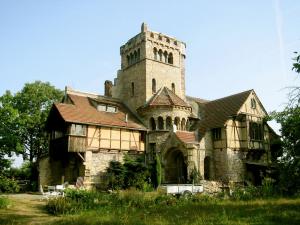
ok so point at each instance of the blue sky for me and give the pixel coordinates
(232, 46)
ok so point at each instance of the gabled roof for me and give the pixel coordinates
(186, 136)
(166, 97)
(217, 112)
(80, 109)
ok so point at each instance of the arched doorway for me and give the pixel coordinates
(175, 167)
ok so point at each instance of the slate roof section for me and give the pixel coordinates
(166, 97)
(186, 136)
(82, 111)
(217, 112)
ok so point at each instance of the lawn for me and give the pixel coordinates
(30, 210)
(276, 211)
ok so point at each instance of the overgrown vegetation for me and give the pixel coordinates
(8, 185)
(4, 202)
(133, 173)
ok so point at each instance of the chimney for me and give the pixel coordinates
(108, 88)
(126, 118)
(144, 28)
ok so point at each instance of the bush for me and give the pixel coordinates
(4, 202)
(8, 185)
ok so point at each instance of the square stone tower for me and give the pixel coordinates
(149, 61)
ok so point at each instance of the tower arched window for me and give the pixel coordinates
(131, 58)
(135, 56)
(155, 53)
(170, 58)
(128, 60)
(153, 86)
(160, 54)
(160, 123)
(132, 89)
(173, 87)
(138, 54)
(169, 123)
(165, 57)
(152, 124)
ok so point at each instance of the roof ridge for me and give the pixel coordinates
(229, 96)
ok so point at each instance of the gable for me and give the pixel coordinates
(248, 108)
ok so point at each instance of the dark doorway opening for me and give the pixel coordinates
(175, 167)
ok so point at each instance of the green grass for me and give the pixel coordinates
(267, 212)
(4, 202)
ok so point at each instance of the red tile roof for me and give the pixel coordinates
(84, 112)
(166, 97)
(186, 136)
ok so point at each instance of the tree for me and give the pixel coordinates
(289, 161)
(23, 117)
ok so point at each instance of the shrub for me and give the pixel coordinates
(4, 202)
(8, 185)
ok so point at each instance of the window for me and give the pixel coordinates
(173, 87)
(255, 130)
(170, 58)
(153, 86)
(168, 40)
(152, 124)
(177, 123)
(159, 37)
(128, 60)
(132, 89)
(106, 108)
(155, 53)
(160, 54)
(152, 151)
(152, 35)
(138, 54)
(111, 108)
(216, 133)
(253, 103)
(165, 57)
(183, 124)
(135, 56)
(169, 123)
(78, 129)
(56, 134)
(160, 123)
(101, 108)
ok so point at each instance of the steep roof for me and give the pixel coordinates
(82, 109)
(217, 112)
(186, 136)
(166, 97)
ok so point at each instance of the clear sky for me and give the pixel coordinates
(232, 45)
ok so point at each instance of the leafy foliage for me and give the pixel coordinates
(4, 202)
(8, 185)
(133, 173)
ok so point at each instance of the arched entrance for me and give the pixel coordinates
(175, 167)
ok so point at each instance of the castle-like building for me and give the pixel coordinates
(146, 111)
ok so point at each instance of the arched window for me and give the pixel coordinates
(132, 89)
(160, 54)
(206, 168)
(183, 124)
(160, 123)
(153, 86)
(155, 53)
(168, 40)
(159, 37)
(173, 87)
(131, 58)
(165, 57)
(152, 124)
(169, 123)
(152, 35)
(177, 123)
(138, 54)
(170, 58)
(128, 60)
(135, 56)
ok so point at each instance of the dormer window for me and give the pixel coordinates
(106, 108)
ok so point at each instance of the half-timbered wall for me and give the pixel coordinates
(114, 138)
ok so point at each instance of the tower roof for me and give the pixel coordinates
(166, 97)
